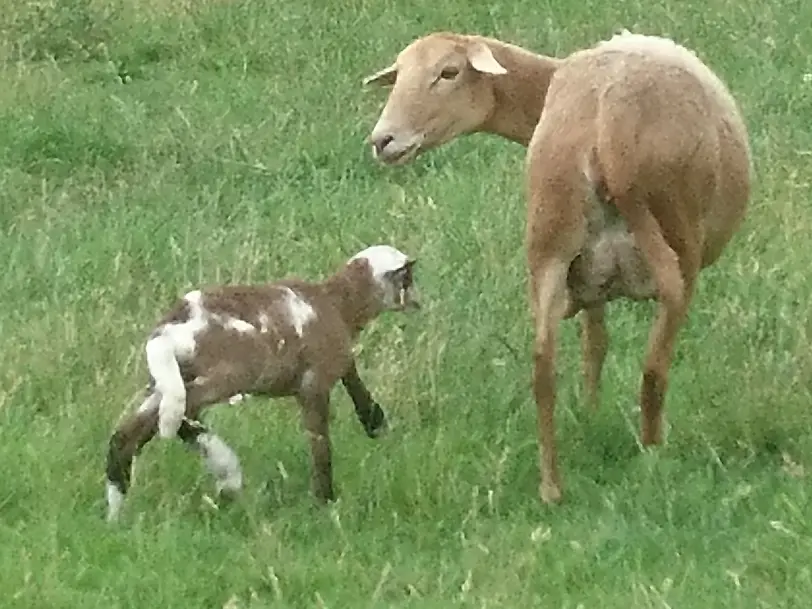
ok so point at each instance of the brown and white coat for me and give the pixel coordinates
(288, 338)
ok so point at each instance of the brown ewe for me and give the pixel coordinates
(638, 174)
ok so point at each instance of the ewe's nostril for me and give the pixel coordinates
(382, 142)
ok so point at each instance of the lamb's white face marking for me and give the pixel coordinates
(301, 313)
(384, 262)
(221, 461)
(115, 499)
(382, 259)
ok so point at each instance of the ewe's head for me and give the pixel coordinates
(391, 274)
(441, 88)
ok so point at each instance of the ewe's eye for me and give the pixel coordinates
(449, 73)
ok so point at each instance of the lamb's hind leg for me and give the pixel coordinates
(126, 442)
(218, 456)
(368, 411)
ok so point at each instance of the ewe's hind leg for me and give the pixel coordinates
(126, 442)
(674, 277)
(369, 412)
(672, 309)
(594, 344)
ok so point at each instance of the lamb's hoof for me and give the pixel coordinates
(377, 424)
(230, 486)
(115, 499)
(550, 493)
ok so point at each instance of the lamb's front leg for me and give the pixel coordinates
(369, 412)
(315, 418)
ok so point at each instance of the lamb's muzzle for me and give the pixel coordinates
(288, 338)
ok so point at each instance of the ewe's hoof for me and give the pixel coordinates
(550, 493)
(377, 424)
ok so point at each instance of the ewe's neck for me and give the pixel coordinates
(520, 93)
(352, 293)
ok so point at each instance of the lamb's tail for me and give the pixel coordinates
(164, 368)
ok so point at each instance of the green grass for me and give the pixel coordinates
(147, 146)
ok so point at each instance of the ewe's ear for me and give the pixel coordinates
(384, 78)
(482, 59)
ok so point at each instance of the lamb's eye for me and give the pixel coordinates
(449, 73)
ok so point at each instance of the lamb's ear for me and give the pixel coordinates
(482, 59)
(396, 273)
(384, 78)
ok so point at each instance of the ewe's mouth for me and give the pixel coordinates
(401, 157)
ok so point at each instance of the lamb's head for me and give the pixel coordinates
(390, 274)
(441, 88)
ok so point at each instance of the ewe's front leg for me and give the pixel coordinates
(315, 413)
(369, 412)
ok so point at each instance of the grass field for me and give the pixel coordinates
(148, 146)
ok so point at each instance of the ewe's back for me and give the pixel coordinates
(647, 117)
(669, 53)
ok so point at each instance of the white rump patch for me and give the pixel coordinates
(301, 313)
(382, 259)
(221, 461)
(172, 343)
(115, 499)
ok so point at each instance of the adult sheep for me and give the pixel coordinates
(637, 173)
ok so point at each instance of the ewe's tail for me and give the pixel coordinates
(164, 369)
(595, 176)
